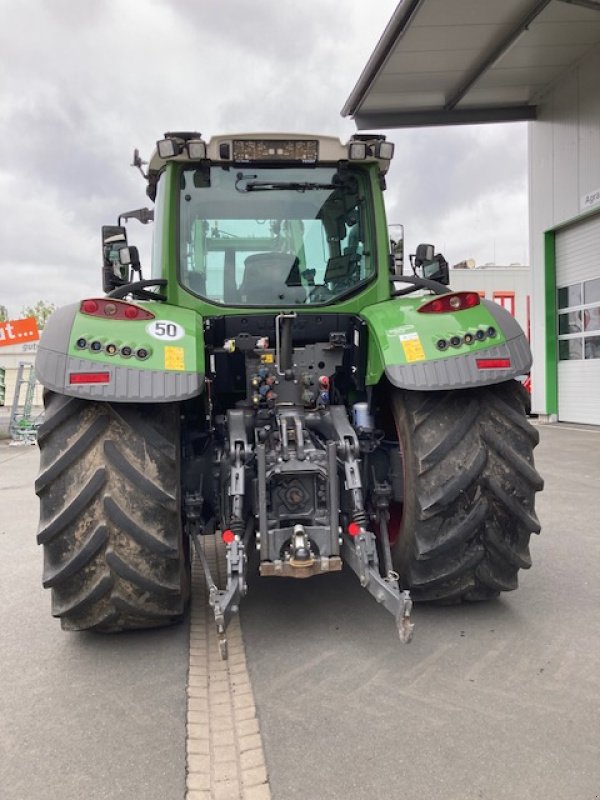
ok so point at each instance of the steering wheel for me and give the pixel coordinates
(320, 294)
(419, 283)
(137, 290)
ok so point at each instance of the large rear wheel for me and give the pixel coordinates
(110, 524)
(462, 531)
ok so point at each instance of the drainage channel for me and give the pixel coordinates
(225, 756)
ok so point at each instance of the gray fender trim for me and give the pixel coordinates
(127, 384)
(461, 371)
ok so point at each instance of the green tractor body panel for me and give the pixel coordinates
(477, 346)
(159, 358)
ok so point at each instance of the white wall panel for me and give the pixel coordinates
(578, 391)
(564, 153)
(589, 125)
(565, 126)
(578, 259)
(578, 252)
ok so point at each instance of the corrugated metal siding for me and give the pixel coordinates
(578, 252)
(578, 391)
(578, 259)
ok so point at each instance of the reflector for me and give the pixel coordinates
(493, 363)
(89, 377)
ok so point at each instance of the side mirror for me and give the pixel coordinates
(437, 269)
(424, 254)
(129, 256)
(396, 233)
(114, 239)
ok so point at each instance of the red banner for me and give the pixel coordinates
(18, 331)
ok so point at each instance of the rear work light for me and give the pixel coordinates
(449, 303)
(493, 363)
(113, 309)
(89, 377)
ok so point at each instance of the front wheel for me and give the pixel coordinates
(462, 531)
(114, 553)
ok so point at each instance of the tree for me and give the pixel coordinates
(41, 311)
(3, 313)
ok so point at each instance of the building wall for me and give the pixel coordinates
(491, 280)
(564, 168)
(10, 356)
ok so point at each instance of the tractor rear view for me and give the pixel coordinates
(279, 381)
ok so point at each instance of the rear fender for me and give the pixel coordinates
(172, 369)
(403, 345)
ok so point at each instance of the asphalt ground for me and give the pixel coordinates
(81, 715)
(491, 701)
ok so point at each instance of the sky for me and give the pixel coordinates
(84, 82)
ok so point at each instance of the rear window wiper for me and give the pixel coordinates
(250, 185)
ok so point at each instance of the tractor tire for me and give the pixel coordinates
(462, 532)
(110, 515)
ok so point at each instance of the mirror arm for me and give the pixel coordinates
(137, 289)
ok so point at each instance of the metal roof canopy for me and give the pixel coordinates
(452, 62)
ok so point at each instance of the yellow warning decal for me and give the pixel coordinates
(267, 358)
(174, 358)
(413, 349)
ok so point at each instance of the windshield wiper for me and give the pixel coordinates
(269, 186)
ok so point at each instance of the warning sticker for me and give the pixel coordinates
(267, 358)
(174, 358)
(413, 349)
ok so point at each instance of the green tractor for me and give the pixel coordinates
(278, 380)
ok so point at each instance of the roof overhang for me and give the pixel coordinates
(454, 62)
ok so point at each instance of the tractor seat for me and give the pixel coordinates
(271, 279)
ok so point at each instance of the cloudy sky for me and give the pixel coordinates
(83, 82)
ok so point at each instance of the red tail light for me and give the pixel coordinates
(449, 303)
(493, 363)
(228, 536)
(354, 529)
(89, 377)
(113, 309)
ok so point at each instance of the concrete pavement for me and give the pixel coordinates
(81, 715)
(489, 702)
(494, 701)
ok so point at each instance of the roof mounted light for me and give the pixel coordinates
(384, 150)
(169, 148)
(196, 149)
(357, 151)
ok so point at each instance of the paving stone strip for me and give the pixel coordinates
(225, 757)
